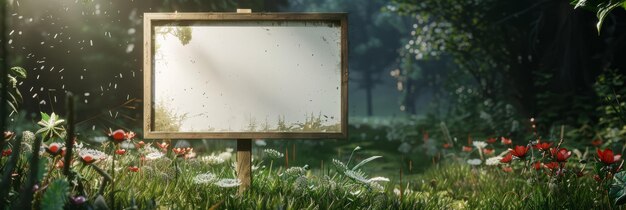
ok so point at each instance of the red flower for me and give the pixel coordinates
(139, 144)
(597, 178)
(130, 135)
(87, 159)
(520, 151)
(491, 140)
(133, 168)
(118, 135)
(163, 146)
(488, 151)
(607, 156)
(54, 149)
(60, 164)
(120, 151)
(467, 149)
(543, 146)
(179, 151)
(507, 158)
(506, 141)
(507, 169)
(7, 152)
(561, 155)
(596, 142)
(551, 165)
(447, 145)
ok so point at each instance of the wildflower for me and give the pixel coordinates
(163, 146)
(551, 165)
(491, 140)
(179, 151)
(133, 168)
(89, 156)
(227, 183)
(54, 148)
(120, 151)
(597, 178)
(507, 169)
(8, 135)
(493, 161)
(118, 135)
(479, 144)
(507, 158)
(357, 176)
(520, 151)
(474, 162)
(467, 149)
(139, 144)
(596, 142)
(544, 146)
(340, 165)
(561, 155)
(154, 155)
(447, 145)
(487, 151)
(130, 135)
(294, 171)
(204, 178)
(212, 160)
(506, 141)
(607, 157)
(7, 152)
(273, 154)
(537, 165)
(60, 164)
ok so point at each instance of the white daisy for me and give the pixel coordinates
(227, 183)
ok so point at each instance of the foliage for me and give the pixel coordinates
(15, 96)
(56, 195)
(601, 7)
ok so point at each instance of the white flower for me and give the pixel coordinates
(474, 162)
(379, 179)
(225, 155)
(273, 154)
(260, 143)
(492, 161)
(95, 154)
(212, 160)
(227, 183)
(154, 155)
(204, 178)
(479, 144)
(294, 171)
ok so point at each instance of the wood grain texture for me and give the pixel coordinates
(244, 164)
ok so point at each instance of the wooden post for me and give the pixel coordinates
(244, 164)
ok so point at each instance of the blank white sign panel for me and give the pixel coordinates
(247, 76)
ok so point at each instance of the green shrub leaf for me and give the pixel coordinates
(56, 195)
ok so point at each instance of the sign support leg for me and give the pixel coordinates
(244, 164)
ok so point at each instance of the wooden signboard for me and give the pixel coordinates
(243, 76)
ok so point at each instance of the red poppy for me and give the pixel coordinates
(491, 140)
(506, 141)
(139, 144)
(54, 149)
(507, 169)
(551, 165)
(596, 142)
(561, 155)
(7, 152)
(544, 146)
(118, 135)
(467, 149)
(537, 165)
(607, 156)
(447, 145)
(133, 168)
(488, 151)
(120, 151)
(87, 159)
(507, 158)
(520, 151)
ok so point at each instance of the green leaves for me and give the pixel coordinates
(18, 72)
(56, 195)
(601, 7)
(617, 192)
(51, 126)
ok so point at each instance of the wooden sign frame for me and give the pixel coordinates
(153, 19)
